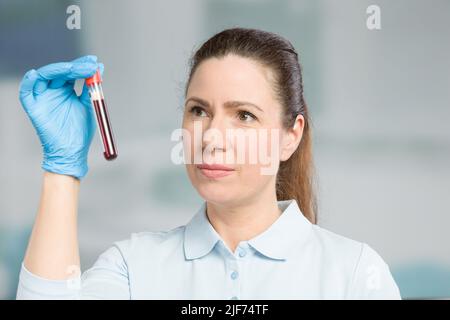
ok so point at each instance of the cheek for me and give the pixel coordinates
(261, 150)
(261, 161)
(251, 181)
(191, 173)
(191, 141)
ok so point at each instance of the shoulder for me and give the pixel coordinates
(143, 243)
(368, 275)
(345, 249)
(338, 252)
(329, 241)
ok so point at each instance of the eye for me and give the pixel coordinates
(197, 111)
(246, 116)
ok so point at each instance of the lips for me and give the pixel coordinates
(214, 171)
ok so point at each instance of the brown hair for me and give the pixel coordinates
(295, 175)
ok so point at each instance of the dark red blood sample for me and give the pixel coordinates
(104, 125)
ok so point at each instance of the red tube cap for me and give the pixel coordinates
(96, 78)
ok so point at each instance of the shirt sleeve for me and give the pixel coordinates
(107, 279)
(372, 278)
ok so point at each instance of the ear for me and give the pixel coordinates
(291, 138)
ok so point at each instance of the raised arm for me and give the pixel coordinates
(65, 124)
(52, 251)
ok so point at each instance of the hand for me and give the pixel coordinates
(64, 122)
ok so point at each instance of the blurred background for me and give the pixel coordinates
(380, 104)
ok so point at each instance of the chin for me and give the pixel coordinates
(215, 193)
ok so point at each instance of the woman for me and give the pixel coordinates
(254, 236)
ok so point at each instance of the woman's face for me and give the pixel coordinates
(232, 118)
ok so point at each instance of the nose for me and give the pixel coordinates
(214, 135)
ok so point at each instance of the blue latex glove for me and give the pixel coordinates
(64, 122)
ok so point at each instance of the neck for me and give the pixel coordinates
(239, 222)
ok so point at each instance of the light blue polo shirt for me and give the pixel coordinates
(292, 259)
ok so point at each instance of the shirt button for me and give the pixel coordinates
(234, 298)
(242, 253)
(234, 275)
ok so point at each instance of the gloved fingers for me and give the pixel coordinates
(57, 83)
(59, 71)
(88, 58)
(54, 70)
(40, 86)
(67, 70)
(82, 70)
(26, 87)
(33, 77)
(51, 71)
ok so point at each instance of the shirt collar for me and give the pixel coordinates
(283, 235)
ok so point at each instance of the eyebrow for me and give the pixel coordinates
(228, 104)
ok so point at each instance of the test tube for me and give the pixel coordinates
(103, 122)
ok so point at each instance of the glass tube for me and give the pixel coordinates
(103, 120)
